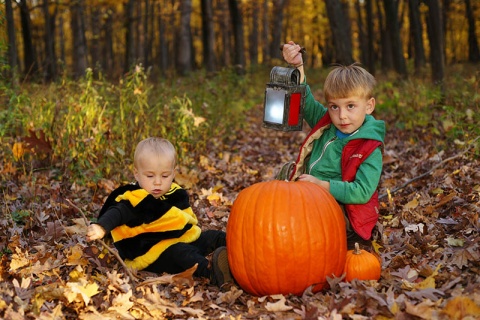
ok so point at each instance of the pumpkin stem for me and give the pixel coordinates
(285, 171)
(357, 249)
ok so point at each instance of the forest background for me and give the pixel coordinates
(83, 81)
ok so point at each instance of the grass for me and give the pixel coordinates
(87, 129)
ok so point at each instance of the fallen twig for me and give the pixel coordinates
(429, 171)
(114, 252)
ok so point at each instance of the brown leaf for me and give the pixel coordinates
(39, 145)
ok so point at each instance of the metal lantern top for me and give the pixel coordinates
(285, 76)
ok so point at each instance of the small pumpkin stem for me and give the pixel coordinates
(357, 249)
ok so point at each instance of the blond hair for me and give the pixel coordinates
(345, 81)
(158, 146)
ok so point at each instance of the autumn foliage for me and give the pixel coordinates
(55, 169)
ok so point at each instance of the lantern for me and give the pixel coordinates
(284, 100)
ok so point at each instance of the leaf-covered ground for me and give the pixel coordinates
(428, 237)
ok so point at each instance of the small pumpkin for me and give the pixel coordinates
(283, 237)
(362, 265)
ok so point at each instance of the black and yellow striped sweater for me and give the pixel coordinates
(142, 227)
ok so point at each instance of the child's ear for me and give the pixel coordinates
(370, 105)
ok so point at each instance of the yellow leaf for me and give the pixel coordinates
(78, 292)
(461, 307)
(75, 258)
(394, 308)
(18, 150)
(455, 242)
(19, 260)
(213, 197)
(429, 282)
(376, 246)
(412, 204)
(198, 120)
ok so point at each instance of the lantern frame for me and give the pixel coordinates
(284, 91)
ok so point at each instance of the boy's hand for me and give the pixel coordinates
(310, 178)
(94, 232)
(292, 53)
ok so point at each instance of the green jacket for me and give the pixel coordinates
(324, 160)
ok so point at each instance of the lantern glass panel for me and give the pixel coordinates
(274, 105)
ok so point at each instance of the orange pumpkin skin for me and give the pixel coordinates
(362, 265)
(283, 237)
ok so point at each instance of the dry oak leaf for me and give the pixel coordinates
(279, 305)
(463, 256)
(230, 296)
(121, 303)
(184, 278)
(422, 310)
(79, 227)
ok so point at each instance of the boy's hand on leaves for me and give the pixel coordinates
(94, 232)
(292, 53)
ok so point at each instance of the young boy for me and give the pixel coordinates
(342, 153)
(152, 224)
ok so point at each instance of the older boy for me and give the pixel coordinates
(342, 153)
(152, 224)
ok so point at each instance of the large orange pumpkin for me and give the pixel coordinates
(283, 237)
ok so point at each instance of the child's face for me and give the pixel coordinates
(348, 114)
(155, 173)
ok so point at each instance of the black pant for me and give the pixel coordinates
(182, 256)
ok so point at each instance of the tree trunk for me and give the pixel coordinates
(371, 38)
(12, 43)
(94, 48)
(140, 34)
(416, 32)
(225, 58)
(208, 36)
(108, 61)
(254, 43)
(434, 24)
(50, 67)
(78, 37)
(129, 36)
(184, 44)
(393, 31)
(237, 25)
(29, 54)
(265, 32)
(162, 43)
(444, 15)
(361, 33)
(385, 41)
(278, 9)
(341, 37)
(149, 13)
(473, 51)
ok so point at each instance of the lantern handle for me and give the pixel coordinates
(286, 76)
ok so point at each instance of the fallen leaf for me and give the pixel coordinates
(461, 307)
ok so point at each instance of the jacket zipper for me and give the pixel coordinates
(321, 155)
